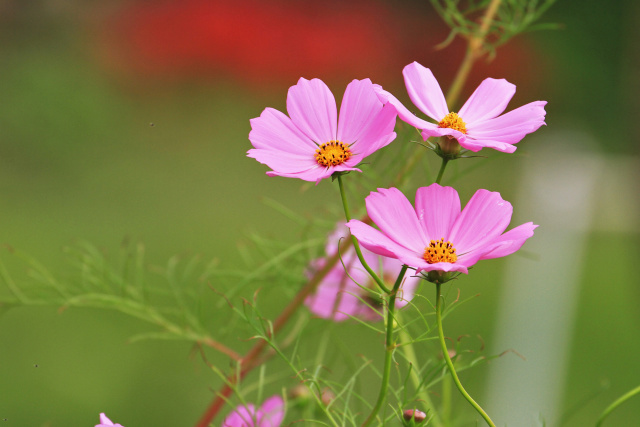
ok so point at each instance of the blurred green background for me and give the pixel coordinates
(129, 120)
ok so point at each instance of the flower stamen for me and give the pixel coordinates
(440, 251)
(332, 153)
(453, 121)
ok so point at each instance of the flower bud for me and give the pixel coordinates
(327, 396)
(300, 396)
(413, 417)
(299, 392)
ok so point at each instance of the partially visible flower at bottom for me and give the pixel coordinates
(270, 414)
(106, 422)
(340, 295)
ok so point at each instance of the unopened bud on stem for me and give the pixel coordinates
(413, 417)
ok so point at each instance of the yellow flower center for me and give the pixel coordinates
(453, 121)
(332, 153)
(440, 251)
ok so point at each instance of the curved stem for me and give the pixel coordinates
(442, 168)
(389, 346)
(356, 245)
(445, 354)
(617, 403)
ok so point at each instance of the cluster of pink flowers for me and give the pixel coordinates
(312, 144)
(435, 237)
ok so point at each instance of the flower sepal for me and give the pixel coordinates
(437, 276)
(335, 175)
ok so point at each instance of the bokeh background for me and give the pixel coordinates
(129, 120)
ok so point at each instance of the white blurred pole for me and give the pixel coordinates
(538, 299)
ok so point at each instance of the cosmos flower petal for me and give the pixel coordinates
(437, 208)
(360, 107)
(512, 126)
(104, 419)
(470, 258)
(424, 91)
(106, 422)
(378, 134)
(395, 217)
(242, 416)
(488, 101)
(312, 108)
(438, 131)
(316, 174)
(510, 242)
(376, 242)
(338, 297)
(476, 145)
(334, 299)
(483, 219)
(271, 413)
(444, 266)
(284, 162)
(275, 131)
(404, 114)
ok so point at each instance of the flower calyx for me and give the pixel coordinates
(448, 148)
(335, 175)
(437, 276)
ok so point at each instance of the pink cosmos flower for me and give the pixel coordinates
(437, 235)
(313, 143)
(339, 297)
(478, 124)
(106, 422)
(270, 414)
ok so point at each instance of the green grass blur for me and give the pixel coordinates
(88, 155)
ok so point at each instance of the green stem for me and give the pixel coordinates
(389, 347)
(617, 403)
(442, 168)
(356, 245)
(446, 400)
(410, 355)
(445, 354)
